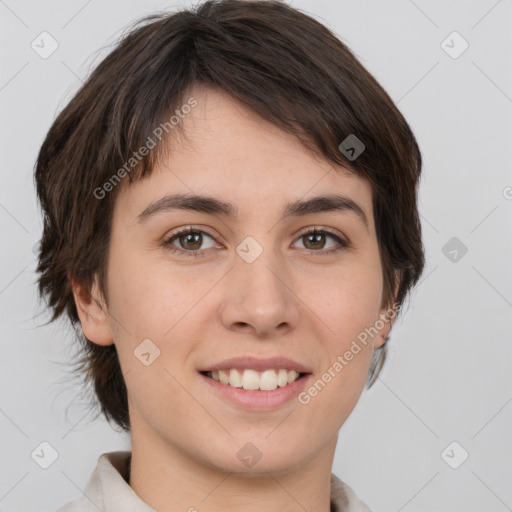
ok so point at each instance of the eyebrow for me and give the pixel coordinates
(214, 206)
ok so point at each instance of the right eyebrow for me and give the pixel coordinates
(216, 206)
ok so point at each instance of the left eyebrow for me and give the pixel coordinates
(215, 206)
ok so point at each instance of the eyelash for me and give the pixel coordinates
(201, 253)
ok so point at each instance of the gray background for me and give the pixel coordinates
(448, 376)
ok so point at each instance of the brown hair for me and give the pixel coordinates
(285, 66)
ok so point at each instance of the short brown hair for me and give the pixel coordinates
(284, 65)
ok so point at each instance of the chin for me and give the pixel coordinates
(259, 455)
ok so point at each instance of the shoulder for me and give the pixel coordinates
(106, 485)
(344, 499)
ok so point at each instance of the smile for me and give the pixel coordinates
(255, 390)
(250, 379)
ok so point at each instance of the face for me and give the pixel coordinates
(258, 284)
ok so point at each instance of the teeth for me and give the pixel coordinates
(223, 378)
(235, 378)
(267, 380)
(250, 379)
(282, 378)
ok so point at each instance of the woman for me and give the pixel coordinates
(230, 207)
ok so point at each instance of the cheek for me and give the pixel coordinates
(349, 307)
(152, 300)
(349, 301)
(148, 295)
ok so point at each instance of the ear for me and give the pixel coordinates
(387, 317)
(386, 321)
(93, 313)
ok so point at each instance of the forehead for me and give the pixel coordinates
(231, 153)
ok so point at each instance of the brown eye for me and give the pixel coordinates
(315, 241)
(189, 242)
(194, 239)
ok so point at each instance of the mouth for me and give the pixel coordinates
(253, 380)
(255, 383)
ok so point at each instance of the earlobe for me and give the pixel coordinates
(383, 335)
(92, 312)
(386, 320)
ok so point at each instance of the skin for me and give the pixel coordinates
(309, 307)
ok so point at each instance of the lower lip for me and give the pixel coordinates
(258, 399)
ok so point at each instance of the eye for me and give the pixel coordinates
(191, 240)
(315, 239)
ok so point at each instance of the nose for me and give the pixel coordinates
(259, 297)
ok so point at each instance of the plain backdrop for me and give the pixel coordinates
(445, 392)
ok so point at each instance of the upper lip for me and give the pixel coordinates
(254, 363)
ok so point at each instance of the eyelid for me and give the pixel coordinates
(301, 232)
(331, 231)
(342, 241)
(186, 229)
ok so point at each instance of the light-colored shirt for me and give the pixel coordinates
(107, 490)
